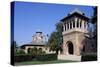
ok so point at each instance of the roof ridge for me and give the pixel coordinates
(76, 10)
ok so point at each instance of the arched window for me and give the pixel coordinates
(40, 49)
(29, 50)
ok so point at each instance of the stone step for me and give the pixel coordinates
(69, 57)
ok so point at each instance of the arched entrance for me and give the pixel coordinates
(70, 47)
(29, 50)
(83, 50)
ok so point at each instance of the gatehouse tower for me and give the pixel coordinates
(74, 29)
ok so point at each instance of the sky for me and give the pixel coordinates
(30, 17)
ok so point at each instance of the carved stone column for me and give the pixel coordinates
(83, 24)
(69, 24)
(79, 23)
(75, 22)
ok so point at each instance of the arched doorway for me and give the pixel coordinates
(70, 47)
(83, 50)
(29, 50)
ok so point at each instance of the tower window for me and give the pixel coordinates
(77, 22)
(73, 24)
(65, 26)
(70, 25)
(80, 23)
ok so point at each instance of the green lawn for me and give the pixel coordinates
(42, 62)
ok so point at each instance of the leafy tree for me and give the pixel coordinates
(94, 21)
(59, 29)
(34, 51)
(15, 50)
(13, 47)
(94, 17)
(52, 42)
(20, 52)
(39, 51)
(56, 39)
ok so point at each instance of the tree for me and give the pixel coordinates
(94, 21)
(20, 52)
(13, 47)
(52, 42)
(94, 17)
(34, 51)
(59, 29)
(13, 51)
(93, 33)
(56, 39)
(39, 51)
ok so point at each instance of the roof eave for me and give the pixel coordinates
(74, 15)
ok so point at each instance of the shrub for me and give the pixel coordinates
(23, 57)
(30, 57)
(34, 51)
(47, 57)
(89, 57)
(20, 52)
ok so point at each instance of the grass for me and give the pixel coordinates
(42, 62)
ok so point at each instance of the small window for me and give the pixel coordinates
(65, 27)
(77, 22)
(70, 25)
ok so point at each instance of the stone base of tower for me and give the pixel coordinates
(73, 43)
(69, 57)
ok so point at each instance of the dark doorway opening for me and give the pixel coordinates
(83, 51)
(70, 48)
(29, 50)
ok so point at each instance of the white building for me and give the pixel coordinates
(39, 41)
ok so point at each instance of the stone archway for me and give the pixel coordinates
(70, 47)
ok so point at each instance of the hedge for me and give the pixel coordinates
(89, 57)
(20, 58)
(28, 57)
(47, 57)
